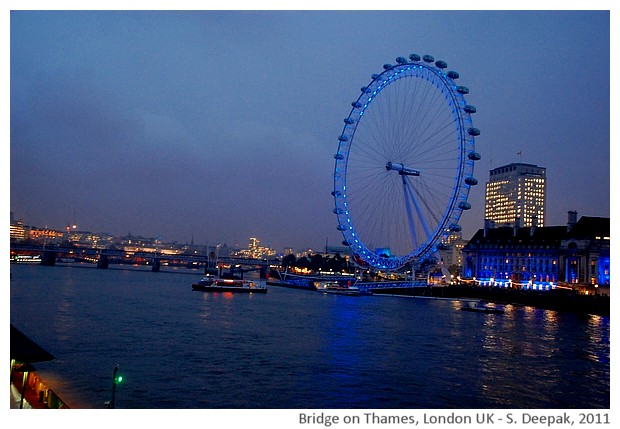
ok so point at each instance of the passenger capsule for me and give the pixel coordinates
(462, 89)
(469, 109)
(441, 64)
(345, 243)
(473, 131)
(471, 181)
(336, 193)
(341, 228)
(356, 104)
(374, 76)
(453, 75)
(348, 121)
(401, 60)
(464, 205)
(339, 156)
(455, 228)
(337, 210)
(474, 156)
(428, 58)
(414, 57)
(343, 138)
(387, 66)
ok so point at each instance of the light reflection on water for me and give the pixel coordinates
(296, 349)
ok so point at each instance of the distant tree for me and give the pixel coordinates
(303, 262)
(289, 261)
(336, 263)
(316, 262)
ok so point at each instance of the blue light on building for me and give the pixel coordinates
(540, 258)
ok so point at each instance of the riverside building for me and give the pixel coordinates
(542, 258)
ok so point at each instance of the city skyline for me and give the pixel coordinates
(219, 126)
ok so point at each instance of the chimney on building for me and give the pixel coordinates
(572, 220)
(516, 226)
(488, 224)
(534, 225)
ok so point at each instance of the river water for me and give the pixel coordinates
(293, 349)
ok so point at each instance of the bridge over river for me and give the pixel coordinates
(49, 255)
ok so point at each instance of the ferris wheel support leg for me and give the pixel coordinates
(409, 188)
(409, 215)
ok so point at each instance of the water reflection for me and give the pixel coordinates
(597, 336)
(298, 349)
(529, 341)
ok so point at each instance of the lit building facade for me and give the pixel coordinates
(542, 258)
(452, 253)
(515, 195)
(21, 232)
(45, 234)
(18, 231)
(255, 250)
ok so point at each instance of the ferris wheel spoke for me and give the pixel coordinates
(430, 197)
(424, 109)
(436, 118)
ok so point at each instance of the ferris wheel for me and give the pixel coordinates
(405, 163)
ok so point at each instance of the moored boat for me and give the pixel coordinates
(483, 309)
(335, 288)
(213, 284)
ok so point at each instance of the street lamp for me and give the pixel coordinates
(116, 379)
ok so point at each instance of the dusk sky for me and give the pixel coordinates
(222, 125)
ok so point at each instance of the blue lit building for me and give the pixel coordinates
(585, 251)
(541, 258)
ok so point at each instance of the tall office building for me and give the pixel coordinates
(515, 195)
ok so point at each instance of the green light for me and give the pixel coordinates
(119, 379)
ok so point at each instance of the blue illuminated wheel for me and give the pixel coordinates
(405, 163)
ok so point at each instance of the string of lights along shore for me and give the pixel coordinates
(516, 248)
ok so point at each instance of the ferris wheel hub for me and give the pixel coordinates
(402, 170)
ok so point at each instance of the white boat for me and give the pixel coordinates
(480, 307)
(213, 284)
(26, 259)
(335, 288)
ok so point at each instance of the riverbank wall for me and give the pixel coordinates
(558, 300)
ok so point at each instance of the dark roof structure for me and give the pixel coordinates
(23, 349)
(589, 227)
(525, 236)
